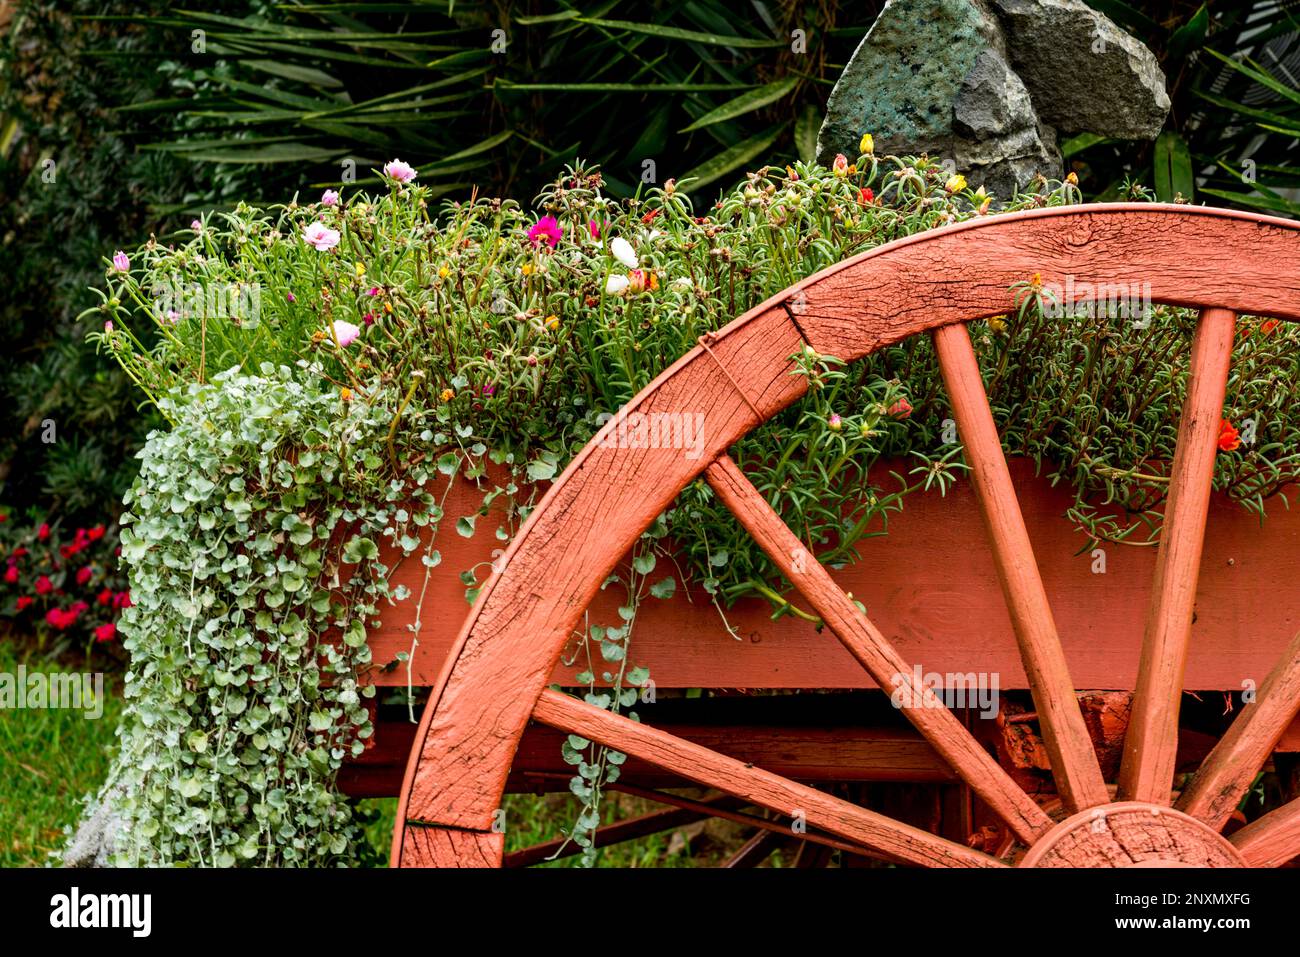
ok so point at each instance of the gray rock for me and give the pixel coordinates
(986, 84)
(931, 76)
(1084, 73)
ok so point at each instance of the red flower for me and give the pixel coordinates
(900, 409)
(1229, 437)
(61, 618)
(649, 217)
(19, 552)
(43, 585)
(11, 574)
(83, 575)
(105, 597)
(96, 533)
(865, 196)
(43, 532)
(25, 601)
(106, 632)
(122, 600)
(4, 517)
(1268, 325)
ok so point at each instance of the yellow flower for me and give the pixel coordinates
(552, 322)
(1073, 178)
(868, 146)
(956, 183)
(388, 308)
(346, 394)
(998, 323)
(443, 272)
(526, 269)
(448, 395)
(361, 269)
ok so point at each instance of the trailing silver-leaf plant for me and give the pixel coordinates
(252, 539)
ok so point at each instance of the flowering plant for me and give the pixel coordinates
(65, 588)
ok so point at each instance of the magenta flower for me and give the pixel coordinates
(120, 261)
(398, 171)
(374, 291)
(321, 236)
(108, 325)
(593, 229)
(368, 318)
(545, 229)
(197, 225)
(290, 297)
(330, 197)
(345, 332)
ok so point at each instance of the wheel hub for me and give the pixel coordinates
(1132, 834)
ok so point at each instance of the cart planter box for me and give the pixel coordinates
(931, 588)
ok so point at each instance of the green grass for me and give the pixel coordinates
(49, 759)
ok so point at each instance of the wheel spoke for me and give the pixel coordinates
(1069, 747)
(1229, 769)
(1272, 840)
(1151, 743)
(874, 652)
(760, 787)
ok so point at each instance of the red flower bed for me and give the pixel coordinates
(64, 589)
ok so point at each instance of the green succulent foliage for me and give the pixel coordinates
(252, 541)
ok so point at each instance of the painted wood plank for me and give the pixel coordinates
(948, 616)
(1150, 746)
(865, 642)
(769, 790)
(1074, 762)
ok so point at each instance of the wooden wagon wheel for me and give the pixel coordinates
(1222, 262)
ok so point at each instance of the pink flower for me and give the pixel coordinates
(593, 229)
(290, 297)
(835, 422)
(841, 165)
(106, 632)
(374, 291)
(120, 261)
(321, 236)
(547, 230)
(43, 585)
(330, 197)
(368, 318)
(900, 409)
(173, 316)
(108, 325)
(196, 225)
(398, 171)
(345, 332)
(84, 574)
(11, 574)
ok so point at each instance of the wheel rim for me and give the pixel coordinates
(1222, 262)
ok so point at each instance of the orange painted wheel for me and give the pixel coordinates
(1221, 262)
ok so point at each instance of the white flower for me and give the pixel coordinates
(616, 285)
(623, 252)
(684, 281)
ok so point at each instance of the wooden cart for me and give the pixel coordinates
(1082, 774)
